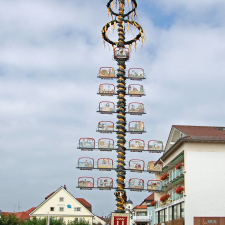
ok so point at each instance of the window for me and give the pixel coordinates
(182, 210)
(61, 219)
(141, 213)
(61, 209)
(52, 209)
(61, 199)
(78, 209)
(76, 219)
(157, 217)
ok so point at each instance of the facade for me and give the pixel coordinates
(193, 165)
(129, 209)
(62, 205)
(144, 213)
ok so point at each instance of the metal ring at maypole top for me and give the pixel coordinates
(134, 5)
(141, 33)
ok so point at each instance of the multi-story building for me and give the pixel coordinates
(143, 214)
(62, 205)
(193, 179)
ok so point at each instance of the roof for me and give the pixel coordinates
(19, 215)
(49, 195)
(84, 203)
(30, 210)
(202, 132)
(150, 197)
(129, 202)
(140, 207)
(101, 218)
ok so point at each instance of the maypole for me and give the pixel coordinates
(120, 20)
(124, 19)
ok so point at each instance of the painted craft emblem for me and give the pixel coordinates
(106, 143)
(106, 126)
(105, 182)
(86, 182)
(136, 73)
(107, 72)
(136, 126)
(136, 164)
(86, 143)
(136, 183)
(155, 145)
(121, 53)
(135, 89)
(153, 166)
(154, 185)
(106, 107)
(136, 107)
(86, 162)
(136, 144)
(105, 163)
(106, 89)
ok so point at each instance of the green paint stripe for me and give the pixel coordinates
(178, 157)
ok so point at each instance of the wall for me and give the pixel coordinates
(204, 180)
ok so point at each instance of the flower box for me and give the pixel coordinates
(164, 197)
(179, 166)
(153, 203)
(179, 190)
(164, 177)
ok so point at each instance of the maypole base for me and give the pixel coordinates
(120, 219)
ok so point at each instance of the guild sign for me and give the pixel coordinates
(120, 219)
(121, 53)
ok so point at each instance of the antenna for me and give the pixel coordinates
(19, 207)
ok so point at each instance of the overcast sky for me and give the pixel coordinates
(50, 55)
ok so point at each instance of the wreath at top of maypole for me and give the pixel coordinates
(109, 25)
(133, 10)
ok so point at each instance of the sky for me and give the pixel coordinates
(50, 55)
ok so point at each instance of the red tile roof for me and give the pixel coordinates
(49, 195)
(140, 207)
(150, 197)
(202, 132)
(84, 203)
(19, 215)
(30, 210)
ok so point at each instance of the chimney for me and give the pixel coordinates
(64, 186)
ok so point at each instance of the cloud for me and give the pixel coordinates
(51, 52)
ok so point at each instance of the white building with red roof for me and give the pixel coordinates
(193, 179)
(60, 204)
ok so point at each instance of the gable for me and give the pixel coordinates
(174, 136)
(69, 203)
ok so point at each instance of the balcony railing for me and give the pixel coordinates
(173, 175)
(173, 197)
(142, 218)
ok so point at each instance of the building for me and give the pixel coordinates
(60, 204)
(129, 209)
(143, 214)
(193, 179)
(99, 220)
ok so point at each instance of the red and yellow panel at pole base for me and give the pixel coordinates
(120, 219)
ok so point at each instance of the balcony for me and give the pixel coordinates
(174, 197)
(174, 175)
(142, 218)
